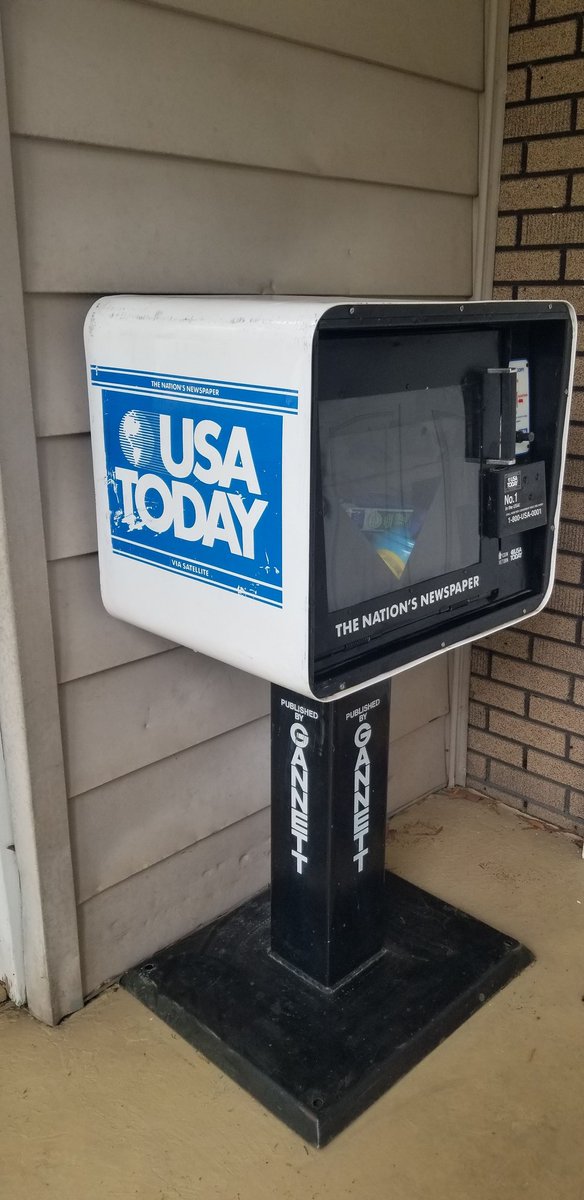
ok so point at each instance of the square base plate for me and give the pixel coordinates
(317, 1058)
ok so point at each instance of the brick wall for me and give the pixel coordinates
(526, 737)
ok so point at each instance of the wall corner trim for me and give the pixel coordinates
(486, 204)
(29, 708)
(491, 119)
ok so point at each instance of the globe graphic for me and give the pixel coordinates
(137, 438)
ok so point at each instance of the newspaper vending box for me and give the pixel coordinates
(324, 493)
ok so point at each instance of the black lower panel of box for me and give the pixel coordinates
(315, 1058)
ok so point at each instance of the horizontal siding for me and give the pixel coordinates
(103, 221)
(178, 699)
(125, 924)
(66, 476)
(120, 720)
(418, 696)
(213, 146)
(230, 96)
(58, 379)
(87, 639)
(123, 826)
(443, 39)
(417, 764)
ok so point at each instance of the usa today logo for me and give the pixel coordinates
(137, 438)
(195, 488)
(191, 477)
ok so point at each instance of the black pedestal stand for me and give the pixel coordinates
(319, 997)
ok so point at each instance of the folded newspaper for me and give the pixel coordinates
(391, 531)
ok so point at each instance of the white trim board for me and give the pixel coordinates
(485, 210)
(29, 709)
(11, 945)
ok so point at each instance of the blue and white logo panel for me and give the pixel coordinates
(195, 487)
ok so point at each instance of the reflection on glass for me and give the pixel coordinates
(400, 500)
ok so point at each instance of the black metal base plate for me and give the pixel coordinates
(318, 1058)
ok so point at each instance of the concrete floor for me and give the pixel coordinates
(112, 1105)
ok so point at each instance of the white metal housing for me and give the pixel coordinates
(213, 396)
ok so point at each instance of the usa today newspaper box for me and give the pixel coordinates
(324, 493)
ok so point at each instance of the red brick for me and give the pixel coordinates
(558, 641)
(479, 661)
(556, 154)
(576, 441)
(476, 765)
(556, 817)
(511, 642)
(511, 160)
(525, 120)
(506, 231)
(497, 694)
(556, 8)
(527, 733)
(543, 191)
(576, 749)
(573, 505)
(548, 41)
(529, 788)
(522, 804)
(536, 679)
(519, 14)
(557, 79)
(575, 261)
(496, 747)
(556, 768)
(516, 85)
(548, 624)
(556, 227)
(527, 264)
(559, 656)
(569, 568)
(577, 409)
(563, 716)
(477, 715)
(572, 537)
(576, 805)
(574, 476)
(567, 599)
(550, 291)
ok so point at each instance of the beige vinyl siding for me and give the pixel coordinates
(442, 40)
(57, 363)
(156, 150)
(124, 924)
(169, 701)
(121, 826)
(132, 222)
(68, 503)
(87, 639)
(229, 95)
